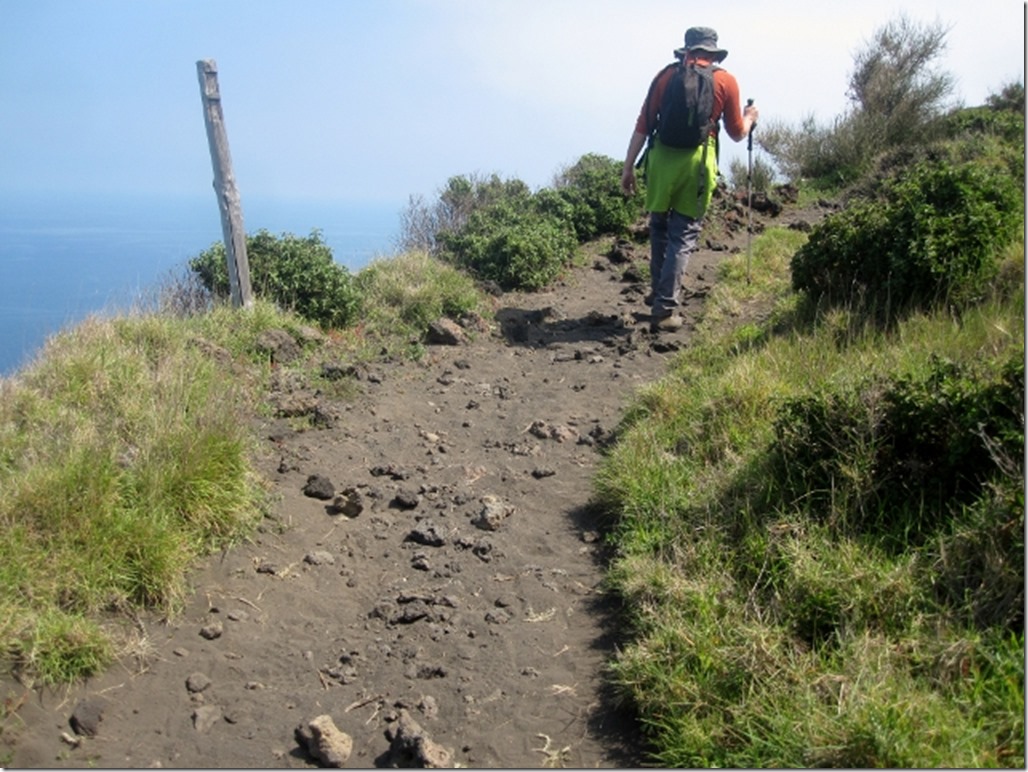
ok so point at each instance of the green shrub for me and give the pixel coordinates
(828, 155)
(1006, 124)
(514, 245)
(896, 96)
(592, 187)
(936, 235)
(586, 200)
(423, 225)
(297, 273)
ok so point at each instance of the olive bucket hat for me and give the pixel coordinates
(702, 39)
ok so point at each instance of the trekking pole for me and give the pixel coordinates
(749, 196)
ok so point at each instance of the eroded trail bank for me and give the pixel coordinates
(431, 574)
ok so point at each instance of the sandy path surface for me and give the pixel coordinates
(430, 577)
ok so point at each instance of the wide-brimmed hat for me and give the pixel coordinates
(702, 39)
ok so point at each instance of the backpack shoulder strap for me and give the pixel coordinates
(653, 86)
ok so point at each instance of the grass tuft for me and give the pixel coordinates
(405, 294)
(127, 456)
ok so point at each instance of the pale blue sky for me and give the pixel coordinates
(381, 99)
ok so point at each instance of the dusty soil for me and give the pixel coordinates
(430, 576)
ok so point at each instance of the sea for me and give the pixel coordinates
(66, 257)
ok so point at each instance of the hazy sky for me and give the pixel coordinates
(381, 99)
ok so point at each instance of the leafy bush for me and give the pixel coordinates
(830, 155)
(298, 274)
(936, 235)
(423, 225)
(1006, 124)
(592, 187)
(503, 232)
(513, 244)
(994, 132)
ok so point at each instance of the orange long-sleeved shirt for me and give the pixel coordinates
(726, 102)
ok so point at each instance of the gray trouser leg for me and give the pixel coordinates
(673, 238)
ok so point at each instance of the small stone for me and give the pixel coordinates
(319, 558)
(497, 617)
(540, 429)
(197, 682)
(205, 717)
(327, 743)
(445, 332)
(212, 631)
(349, 503)
(563, 433)
(410, 746)
(406, 500)
(429, 707)
(421, 562)
(279, 345)
(427, 534)
(86, 718)
(319, 487)
(493, 513)
(391, 471)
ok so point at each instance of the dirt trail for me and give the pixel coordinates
(446, 584)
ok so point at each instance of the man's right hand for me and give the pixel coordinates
(628, 181)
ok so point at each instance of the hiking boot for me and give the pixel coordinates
(648, 300)
(668, 323)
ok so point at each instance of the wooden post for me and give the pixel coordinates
(225, 186)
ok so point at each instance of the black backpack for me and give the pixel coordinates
(684, 120)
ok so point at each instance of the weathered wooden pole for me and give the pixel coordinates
(225, 186)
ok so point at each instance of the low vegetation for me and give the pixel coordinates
(930, 234)
(403, 295)
(817, 517)
(500, 231)
(820, 543)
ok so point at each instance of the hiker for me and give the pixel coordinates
(680, 179)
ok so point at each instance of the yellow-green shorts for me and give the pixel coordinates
(673, 177)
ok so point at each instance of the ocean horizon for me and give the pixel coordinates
(66, 257)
